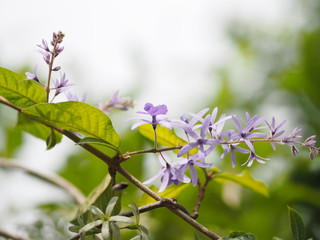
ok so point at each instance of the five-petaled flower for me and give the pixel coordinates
(190, 163)
(154, 112)
(201, 140)
(231, 148)
(168, 173)
(245, 133)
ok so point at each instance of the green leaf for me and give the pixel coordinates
(297, 227)
(96, 211)
(122, 219)
(76, 116)
(165, 136)
(20, 93)
(144, 232)
(115, 231)
(105, 231)
(245, 180)
(51, 141)
(111, 205)
(170, 192)
(36, 129)
(104, 187)
(239, 236)
(91, 225)
(135, 210)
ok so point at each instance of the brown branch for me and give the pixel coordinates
(115, 164)
(202, 190)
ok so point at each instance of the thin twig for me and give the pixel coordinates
(152, 150)
(11, 235)
(202, 190)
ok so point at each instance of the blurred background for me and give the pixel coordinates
(261, 57)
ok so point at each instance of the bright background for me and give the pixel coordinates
(180, 53)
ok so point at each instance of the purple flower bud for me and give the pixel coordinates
(313, 152)
(44, 45)
(294, 151)
(293, 135)
(310, 141)
(56, 68)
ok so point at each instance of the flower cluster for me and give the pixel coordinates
(204, 133)
(49, 52)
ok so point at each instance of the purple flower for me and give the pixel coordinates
(72, 97)
(154, 111)
(190, 163)
(44, 45)
(56, 40)
(62, 84)
(293, 135)
(33, 76)
(49, 55)
(289, 140)
(45, 51)
(215, 128)
(168, 174)
(253, 156)
(201, 139)
(190, 121)
(231, 148)
(294, 151)
(310, 142)
(275, 131)
(122, 103)
(245, 133)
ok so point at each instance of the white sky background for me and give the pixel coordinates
(164, 48)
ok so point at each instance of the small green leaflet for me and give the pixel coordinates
(76, 116)
(245, 180)
(36, 129)
(165, 136)
(297, 227)
(20, 93)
